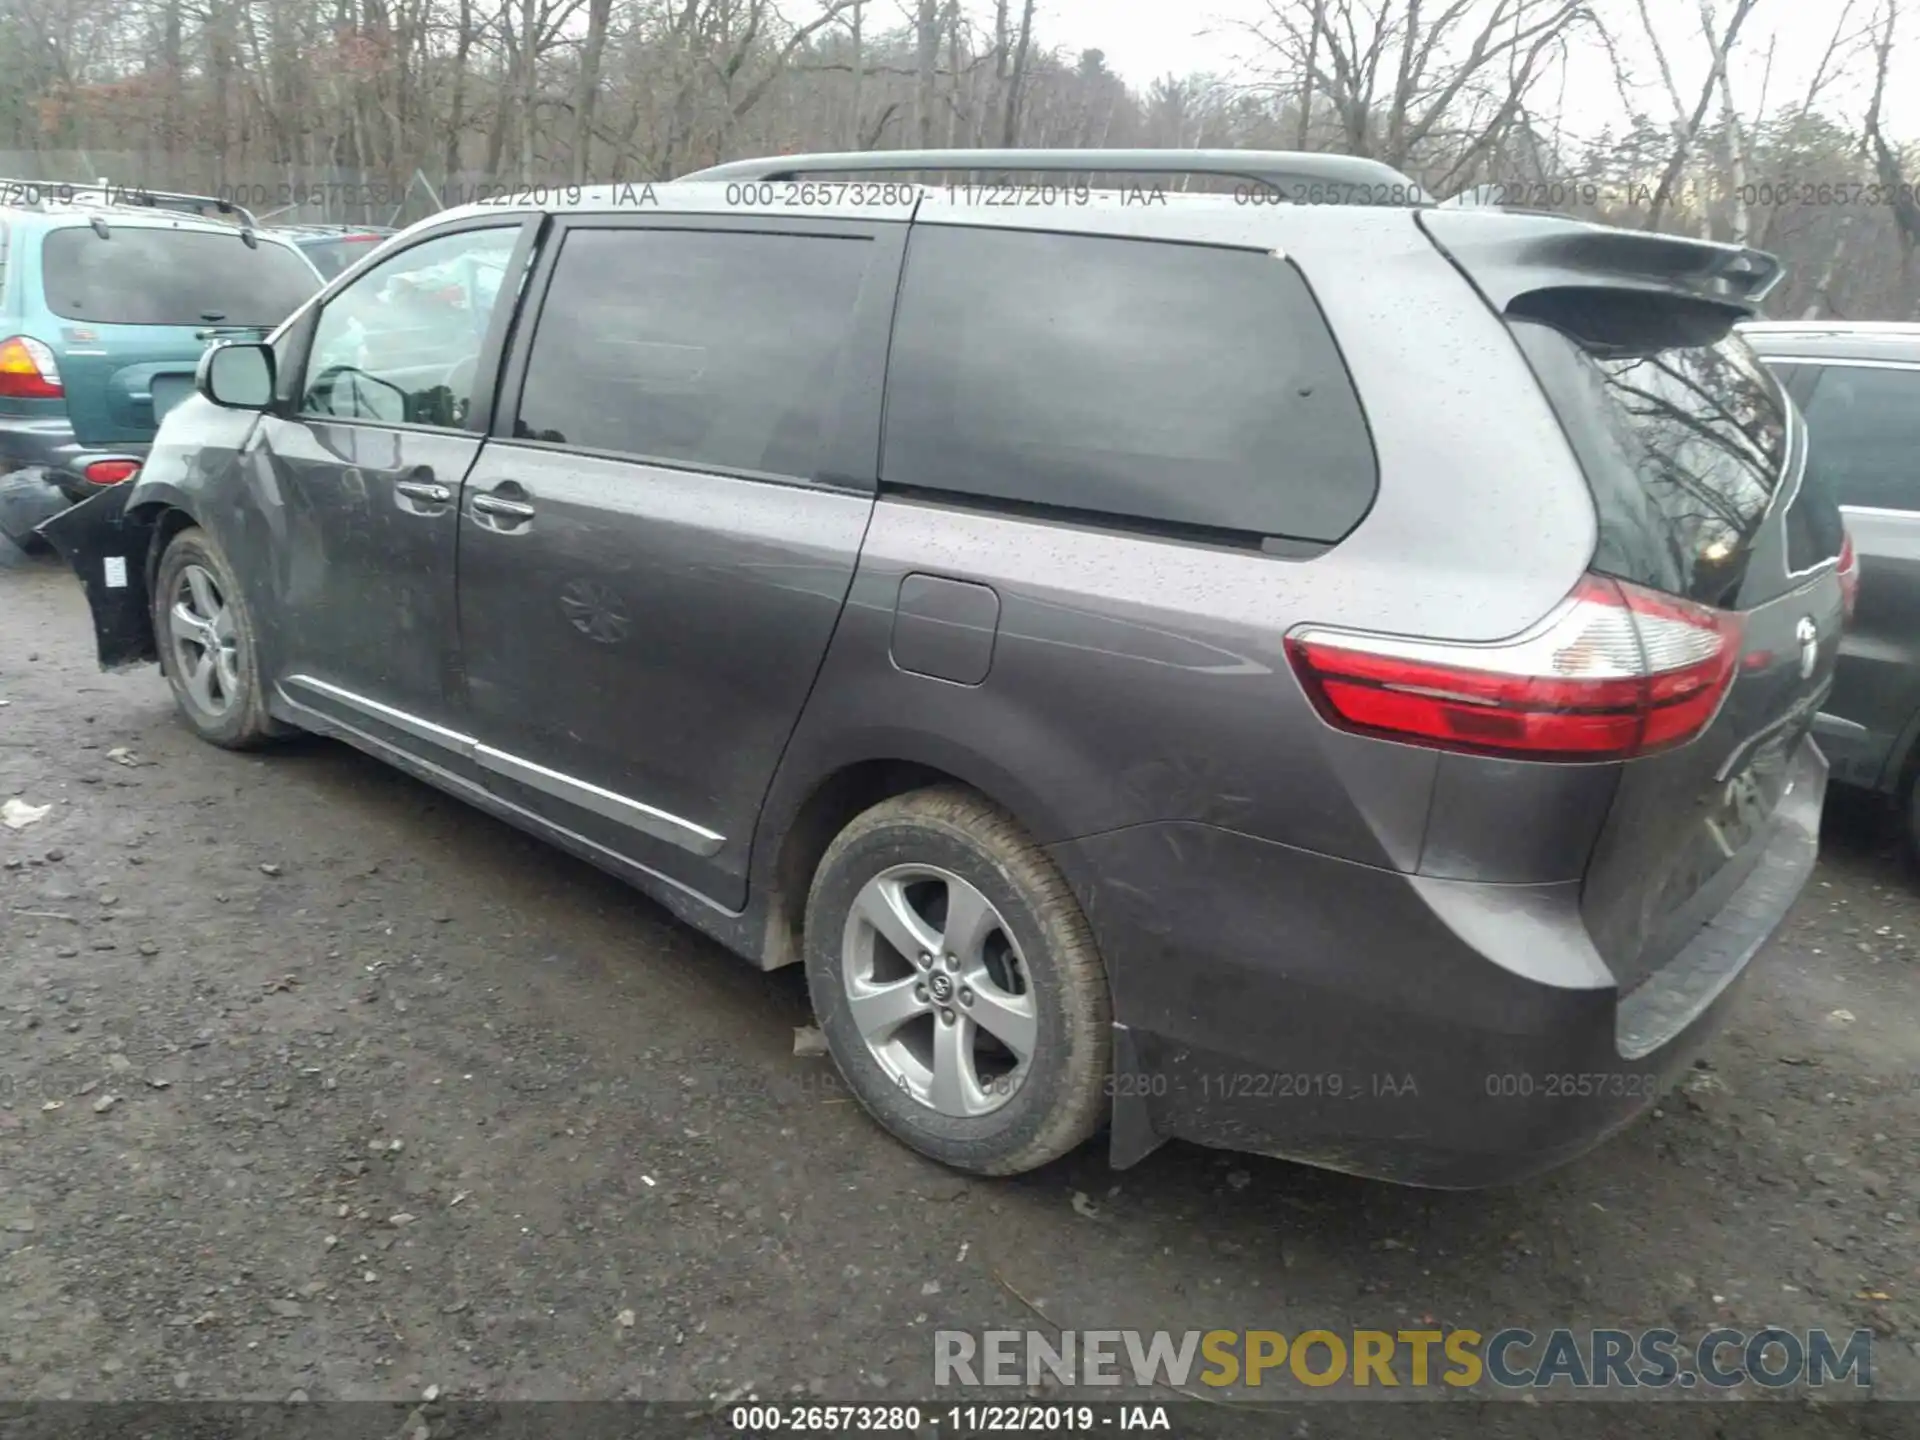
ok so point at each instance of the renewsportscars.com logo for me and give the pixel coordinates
(1509, 1359)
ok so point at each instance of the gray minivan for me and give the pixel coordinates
(1291, 667)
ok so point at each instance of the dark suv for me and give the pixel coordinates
(1298, 669)
(1859, 387)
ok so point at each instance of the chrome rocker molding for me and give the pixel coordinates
(644, 818)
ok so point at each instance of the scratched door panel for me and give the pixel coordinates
(651, 633)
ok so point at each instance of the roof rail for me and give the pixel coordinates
(105, 194)
(1297, 176)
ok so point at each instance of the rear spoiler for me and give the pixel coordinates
(1508, 256)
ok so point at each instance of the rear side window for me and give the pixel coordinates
(1684, 446)
(710, 349)
(1182, 385)
(1864, 422)
(146, 276)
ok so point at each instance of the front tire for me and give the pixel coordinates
(957, 983)
(206, 638)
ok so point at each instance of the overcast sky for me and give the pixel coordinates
(1145, 39)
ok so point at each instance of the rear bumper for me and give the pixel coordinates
(1431, 1032)
(50, 444)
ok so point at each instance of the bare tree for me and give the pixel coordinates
(1016, 81)
(927, 39)
(1687, 122)
(1404, 79)
(1887, 162)
(308, 93)
(587, 85)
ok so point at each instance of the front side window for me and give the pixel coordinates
(713, 349)
(1864, 426)
(401, 345)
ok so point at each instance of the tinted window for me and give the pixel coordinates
(1787, 375)
(1684, 447)
(402, 343)
(1180, 384)
(1865, 428)
(145, 276)
(707, 348)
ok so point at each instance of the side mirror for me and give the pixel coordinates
(239, 377)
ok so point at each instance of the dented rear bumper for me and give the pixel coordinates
(108, 549)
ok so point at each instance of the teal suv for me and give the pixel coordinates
(107, 299)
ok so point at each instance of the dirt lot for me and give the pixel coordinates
(314, 1080)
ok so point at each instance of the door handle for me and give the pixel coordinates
(424, 490)
(504, 509)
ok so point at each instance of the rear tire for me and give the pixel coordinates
(930, 1036)
(205, 636)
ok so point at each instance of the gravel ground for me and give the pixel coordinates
(314, 1080)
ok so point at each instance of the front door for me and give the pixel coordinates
(362, 477)
(655, 547)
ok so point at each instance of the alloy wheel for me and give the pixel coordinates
(205, 646)
(938, 989)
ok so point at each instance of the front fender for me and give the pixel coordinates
(108, 539)
(105, 540)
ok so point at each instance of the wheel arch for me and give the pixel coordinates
(163, 518)
(808, 808)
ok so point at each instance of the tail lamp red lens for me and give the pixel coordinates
(1849, 572)
(1616, 671)
(111, 472)
(28, 370)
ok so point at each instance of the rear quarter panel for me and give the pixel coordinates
(1135, 678)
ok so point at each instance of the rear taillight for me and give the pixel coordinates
(1849, 573)
(1615, 671)
(111, 472)
(28, 370)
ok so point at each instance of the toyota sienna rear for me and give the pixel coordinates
(1326, 679)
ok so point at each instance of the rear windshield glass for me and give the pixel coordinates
(331, 257)
(144, 276)
(1684, 447)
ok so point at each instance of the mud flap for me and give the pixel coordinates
(1130, 1133)
(107, 549)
